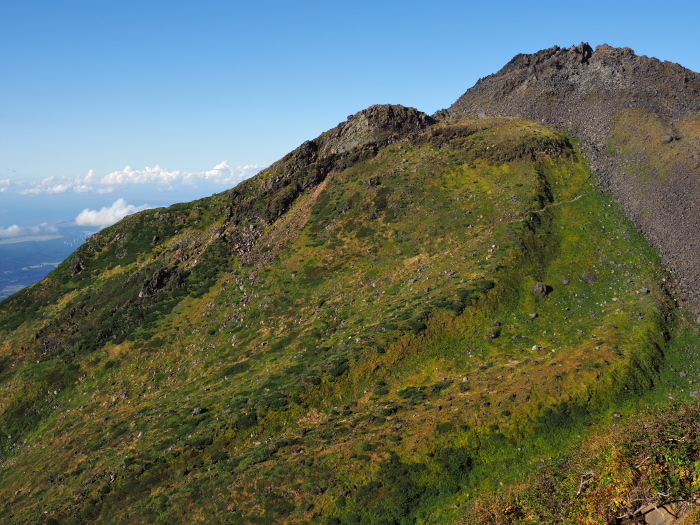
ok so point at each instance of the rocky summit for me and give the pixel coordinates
(637, 118)
(408, 319)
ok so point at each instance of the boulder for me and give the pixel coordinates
(541, 289)
(589, 278)
(660, 515)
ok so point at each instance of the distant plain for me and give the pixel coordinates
(48, 232)
(26, 260)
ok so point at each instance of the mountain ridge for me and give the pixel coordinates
(384, 326)
(586, 92)
(360, 136)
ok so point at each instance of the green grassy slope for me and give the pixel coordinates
(353, 338)
(635, 467)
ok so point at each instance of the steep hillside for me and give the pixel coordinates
(396, 315)
(638, 120)
(409, 319)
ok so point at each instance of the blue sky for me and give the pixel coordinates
(187, 86)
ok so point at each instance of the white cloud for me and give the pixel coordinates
(44, 227)
(52, 186)
(18, 231)
(225, 174)
(131, 176)
(221, 174)
(108, 215)
(12, 231)
(58, 188)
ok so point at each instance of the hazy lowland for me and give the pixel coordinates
(27, 259)
(487, 315)
(40, 230)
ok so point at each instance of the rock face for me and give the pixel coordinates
(581, 89)
(638, 120)
(379, 124)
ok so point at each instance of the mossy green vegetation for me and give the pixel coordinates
(367, 346)
(629, 466)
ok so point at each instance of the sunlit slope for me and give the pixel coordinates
(355, 336)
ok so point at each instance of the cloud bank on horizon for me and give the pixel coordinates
(105, 216)
(20, 231)
(221, 174)
(172, 186)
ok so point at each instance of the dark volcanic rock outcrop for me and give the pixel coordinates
(582, 90)
(639, 121)
(259, 201)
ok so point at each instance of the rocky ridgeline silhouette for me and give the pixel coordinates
(586, 92)
(261, 200)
